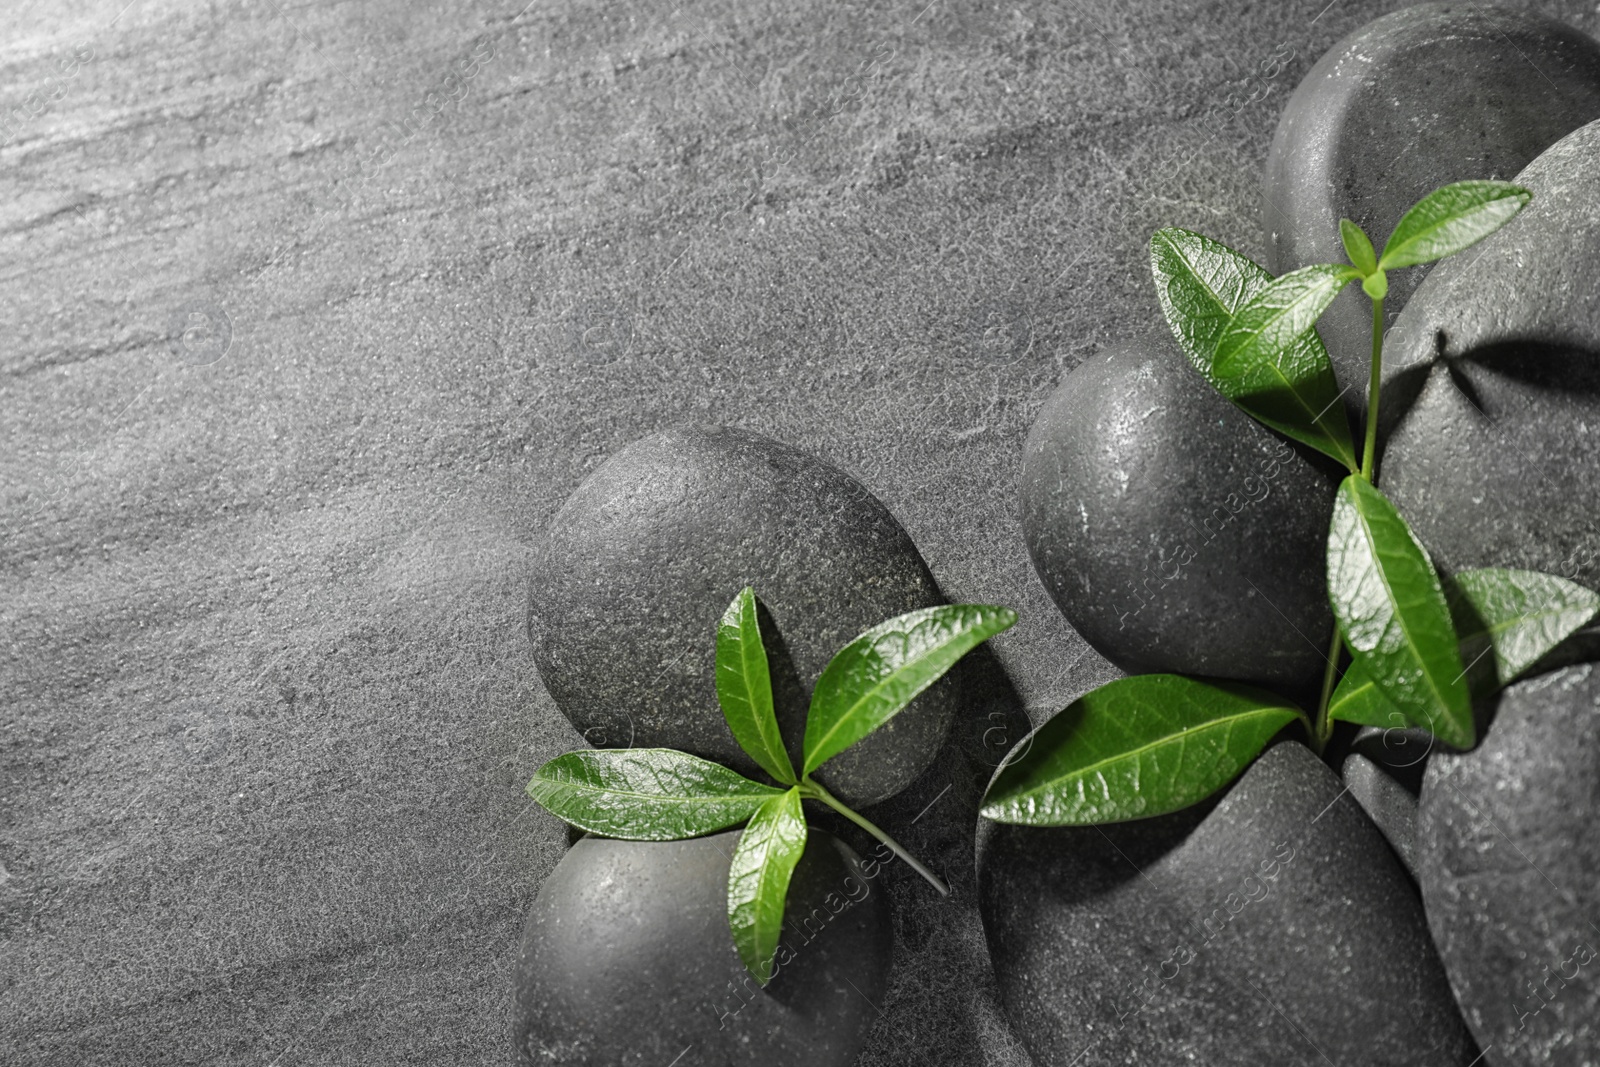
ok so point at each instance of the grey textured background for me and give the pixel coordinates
(267, 700)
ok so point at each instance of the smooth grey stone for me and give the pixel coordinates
(1496, 461)
(626, 958)
(1388, 803)
(1508, 850)
(1383, 769)
(643, 559)
(1417, 99)
(1172, 530)
(1403, 751)
(1275, 927)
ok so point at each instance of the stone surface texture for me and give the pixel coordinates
(1174, 531)
(1383, 769)
(1508, 845)
(1389, 804)
(630, 580)
(269, 704)
(1276, 927)
(1494, 457)
(627, 959)
(1427, 95)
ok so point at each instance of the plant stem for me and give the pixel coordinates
(1324, 728)
(1373, 386)
(811, 789)
(1324, 725)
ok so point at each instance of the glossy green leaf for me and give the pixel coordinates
(646, 794)
(1358, 246)
(1451, 219)
(879, 673)
(1358, 699)
(758, 880)
(1200, 284)
(1266, 328)
(1508, 619)
(744, 687)
(1392, 612)
(1136, 747)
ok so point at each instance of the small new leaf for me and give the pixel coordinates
(1391, 609)
(1508, 619)
(758, 880)
(1200, 284)
(744, 687)
(1136, 747)
(875, 676)
(1358, 246)
(1451, 219)
(646, 794)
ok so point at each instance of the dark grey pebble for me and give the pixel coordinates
(1276, 927)
(1172, 530)
(1508, 842)
(1496, 463)
(627, 958)
(1389, 804)
(1419, 98)
(641, 561)
(1383, 771)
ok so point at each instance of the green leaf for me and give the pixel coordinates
(758, 880)
(1518, 616)
(1358, 246)
(879, 673)
(1267, 327)
(1136, 747)
(1451, 219)
(646, 794)
(1359, 700)
(1392, 612)
(1200, 284)
(744, 687)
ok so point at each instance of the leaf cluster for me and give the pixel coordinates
(665, 795)
(1421, 649)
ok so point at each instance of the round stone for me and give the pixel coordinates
(627, 958)
(1383, 771)
(1508, 841)
(1391, 807)
(642, 560)
(1494, 452)
(1422, 97)
(1172, 530)
(1272, 927)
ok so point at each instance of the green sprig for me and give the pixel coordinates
(1421, 648)
(665, 795)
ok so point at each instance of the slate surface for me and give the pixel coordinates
(267, 699)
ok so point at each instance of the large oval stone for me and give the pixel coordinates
(1495, 454)
(626, 958)
(1275, 928)
(1425, 96)
(1383, 771)
(1508, 849)
(642, 560)
(1172, 530)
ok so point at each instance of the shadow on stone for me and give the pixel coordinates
(790, 697)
